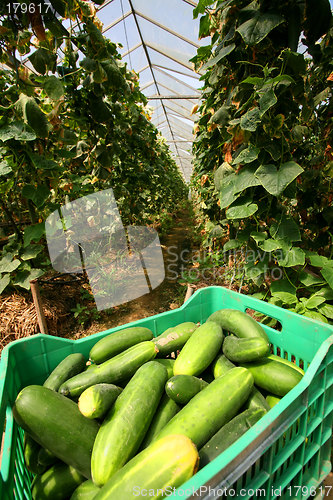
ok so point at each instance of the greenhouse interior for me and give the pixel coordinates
(166, 249)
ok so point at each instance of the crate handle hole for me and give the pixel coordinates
(264, 319)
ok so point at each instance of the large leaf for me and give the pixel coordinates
(222, 53)
(256, 29)
(286, 229)
(293, 257)
(4, 282)
(247, 155)
(313, 302)
(54, 88)
(270, 245)
(266, 101)
(38, 195)
(282, 285)
(31, 251)
(221, 173)
(4, 168)
(275, 181)
(227, 192)
(222, 115)
(43, 163)
(24, 277)
(326, 310)
(33, 233)
(250, 120)
(327, 273)
(18, 131)
(242, 209)
(8, 264)
(245, 179)
(43, 60)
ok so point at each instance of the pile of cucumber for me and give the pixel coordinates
(145, 413)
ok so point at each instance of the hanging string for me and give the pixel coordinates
(124, 23)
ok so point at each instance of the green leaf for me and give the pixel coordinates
(221, 117)
(275, 181)
(33, 233)
(247, 155)
(221, 173)
(285, 229)
(227, 190)
(315, 315)
(258, 237)
(326, 310)
(254, 80)
(327, 273)
(294, 257)
(18, 131)
(89, 64)
(270, 245)
(325, 292)
(54, 88)
(38, 195)
(283, 285)
(8, 264)
(231, 244)
(245, 179)
(4, 282)
(221, 55)
(313, 301)
(250, 120)
(31, 251)
(308, 280)
(256, 29)
(43, 163)
(286, 297)
(266, 101)
(318, 260)
(4, 168)
(242, 209)
(43, 60)
(24, 277)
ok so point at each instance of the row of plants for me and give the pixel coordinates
(262, 180)
(73, 124)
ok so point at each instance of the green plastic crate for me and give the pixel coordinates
(285, 455)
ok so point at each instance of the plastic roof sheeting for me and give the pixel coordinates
(158, 38)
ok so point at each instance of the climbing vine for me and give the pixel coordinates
(263, 154)
(73, 121)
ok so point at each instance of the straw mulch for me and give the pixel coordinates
(18, 317)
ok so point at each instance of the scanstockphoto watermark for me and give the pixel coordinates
(204, 491)
(206, 265)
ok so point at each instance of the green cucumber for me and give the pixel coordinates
(46, 458)
(286, 362)
(239, 323)
(174, 338)
(164, 465)
(56, 423)
(95, 401)
(272, 400)
(200, 350)
(182, 388)
(165, 411)
(31, 451)
(168, 363)
(127, 422)
(228, 434)
(67, 368)
(117, 342)
(221, 365)
(86, 491)
(240, 350)
(212, 407)
(256, 400)
(57, 483)
(120, 367)
(273, 376)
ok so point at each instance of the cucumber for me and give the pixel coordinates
(182, 388)
(168, 363)
(127, 422)
(228, 434)
(118, 368)
(118, 342)
(46, 458)
(240, 350)
(200, 350)
(67, 368)
(56, 423)
(86, 491)
(174, 338)
(239, 323)
(286, 362)
(31, 451)
(95, 401)
(164, 465)
(256, 400)
(272, 400)
(221, 365)
(165, 411)
(273, 376)
(57, 483)
(212, 407)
